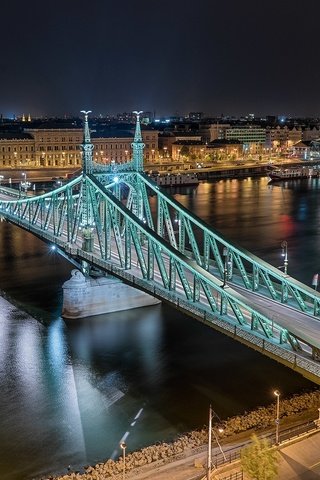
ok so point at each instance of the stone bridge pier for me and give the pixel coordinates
(86, 296)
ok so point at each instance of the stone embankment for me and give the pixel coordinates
(259, 419)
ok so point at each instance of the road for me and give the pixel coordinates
(33, 175)
(302, 325)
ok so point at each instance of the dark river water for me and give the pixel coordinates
(70, 393)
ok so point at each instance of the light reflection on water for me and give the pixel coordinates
(70, 393)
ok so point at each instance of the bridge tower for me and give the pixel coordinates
(87, 218)
(137, 146)
(137, 161)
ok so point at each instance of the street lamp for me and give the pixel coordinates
(277, 394)
(284, 246)
(123, 446)
(24, 182)
(220, 429)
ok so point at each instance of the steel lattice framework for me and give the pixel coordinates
(117, 219)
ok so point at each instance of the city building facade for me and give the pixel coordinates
(60, 147)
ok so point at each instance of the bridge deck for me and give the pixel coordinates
(303, 326)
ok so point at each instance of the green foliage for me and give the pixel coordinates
(259, 461)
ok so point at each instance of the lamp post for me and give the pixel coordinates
(277, 394)
(24, 182)
(210, 431)
(123, 446)
(284, 246)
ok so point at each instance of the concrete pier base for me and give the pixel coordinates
(85, 297)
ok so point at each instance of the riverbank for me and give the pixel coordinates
(292, 409)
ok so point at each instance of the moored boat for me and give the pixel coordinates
(294, 173)
(174, 179)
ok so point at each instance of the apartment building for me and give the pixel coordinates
(252, 137)
(282, 138)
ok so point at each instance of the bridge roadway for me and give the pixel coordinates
(304, 327)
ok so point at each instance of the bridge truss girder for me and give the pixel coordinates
(224, 259)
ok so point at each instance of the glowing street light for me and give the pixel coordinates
(277, 394)
(24, 182)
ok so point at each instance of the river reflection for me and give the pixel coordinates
(70, 393)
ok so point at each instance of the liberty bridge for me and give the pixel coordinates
(114, 219)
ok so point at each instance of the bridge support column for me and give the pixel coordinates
(86, 296)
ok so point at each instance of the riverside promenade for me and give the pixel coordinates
(299, 458)
(186, 458)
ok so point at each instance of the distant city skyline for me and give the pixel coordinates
(233, 58)
(194, 116)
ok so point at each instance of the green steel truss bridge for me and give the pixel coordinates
(114, 218)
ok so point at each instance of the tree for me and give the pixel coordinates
(259, 460)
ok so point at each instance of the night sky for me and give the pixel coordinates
(169, 56)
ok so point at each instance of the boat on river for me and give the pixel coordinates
(174, 179)
(294, 173)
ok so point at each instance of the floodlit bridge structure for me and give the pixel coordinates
(115, 219)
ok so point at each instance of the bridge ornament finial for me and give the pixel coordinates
(137, 145)
(87, 147)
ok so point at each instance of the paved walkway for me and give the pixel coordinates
(299, 459)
